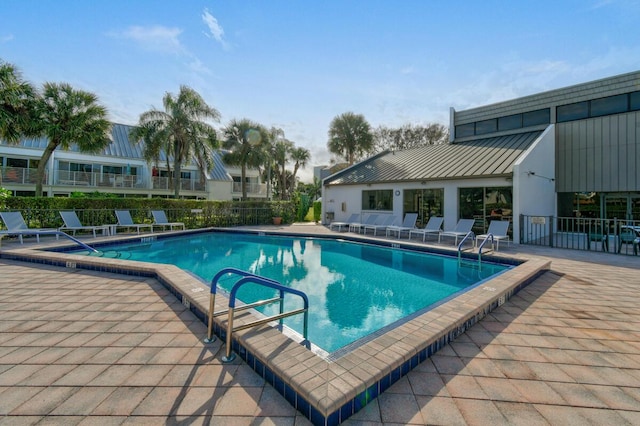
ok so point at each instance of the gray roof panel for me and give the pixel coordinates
(472, 159)
(122, 147)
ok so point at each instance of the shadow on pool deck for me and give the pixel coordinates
(563, 350)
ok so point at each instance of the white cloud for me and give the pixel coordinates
(407, 70)
(198, 67)
(7, 38)
(215, 29)
(155, 38)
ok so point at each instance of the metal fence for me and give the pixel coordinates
(193, 218)
(609, 235)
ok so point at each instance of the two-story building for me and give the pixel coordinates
(119, 169)
(571, 152)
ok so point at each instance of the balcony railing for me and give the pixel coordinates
(162, 182)
(24, 176)
(252, 188)
(19, 175)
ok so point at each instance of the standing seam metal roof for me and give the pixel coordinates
(122, 147)
(472, 159)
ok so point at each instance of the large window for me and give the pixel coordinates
(425, 202)
(535, 118)
(508, 122)
(609, 105)
(381, 199)
(485, 205)
(575, 111)
(465, 130)
(486, 126)
(598, 107)
(634, 101)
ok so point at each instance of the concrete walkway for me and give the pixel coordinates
(75, 348)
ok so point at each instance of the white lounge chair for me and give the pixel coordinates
(463, 227)
(433, 227)
(408, 224)
(160, 219)
(381, 225)
(125, 221)
(499, 230)
(72, 223)
(357, 226)
(352, 219)
(17, 226)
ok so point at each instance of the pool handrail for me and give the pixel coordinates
(256, 279)
(214, 289)
(52, 232)
(489, 236)
(212, 298)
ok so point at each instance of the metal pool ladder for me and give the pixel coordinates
(469, 234)
(247, 278)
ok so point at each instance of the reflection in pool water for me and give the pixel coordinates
(354, 289)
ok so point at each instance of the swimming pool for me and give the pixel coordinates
(326, 390)
(355, 290)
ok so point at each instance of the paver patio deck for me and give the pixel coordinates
(77, 348)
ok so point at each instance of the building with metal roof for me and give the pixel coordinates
(536, 156)
(120, 168)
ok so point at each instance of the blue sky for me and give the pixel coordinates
(298, 64)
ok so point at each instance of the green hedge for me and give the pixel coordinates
(42, 212)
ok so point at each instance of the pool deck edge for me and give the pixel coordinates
(339, 388)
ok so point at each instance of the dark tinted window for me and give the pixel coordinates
(572, 111)
(535, 118)
(634, 101)
(609, 105)
(381, 199)
(465, 130)
(486, 126)
(510, 122)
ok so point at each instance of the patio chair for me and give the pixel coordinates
(17, 226)
(499, 230)
(125, 221)
(352, 219)
(433, 226)
(463, 227)
(72, 223)
(381, 225)
(408, 224)
(160, 219)
(356, 226)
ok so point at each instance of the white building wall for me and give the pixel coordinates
(343, 200)
(219, 190)
(534, 181)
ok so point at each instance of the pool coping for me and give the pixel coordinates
(326, 391)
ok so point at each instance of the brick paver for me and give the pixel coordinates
(79, 347)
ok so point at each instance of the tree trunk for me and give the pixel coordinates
(42, 167)
(243, 174)
(177, 169)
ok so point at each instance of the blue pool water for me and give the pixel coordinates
(354, 289)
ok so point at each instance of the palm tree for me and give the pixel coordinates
(282, 152)
(300, 156)
(275, 135)
(180, 132)
(247, 142)
(350, 136)
(69, 117)
(17, 105)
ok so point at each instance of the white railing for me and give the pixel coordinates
(19, 175)
(252, 187)
(95, 179)
(162, 182)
